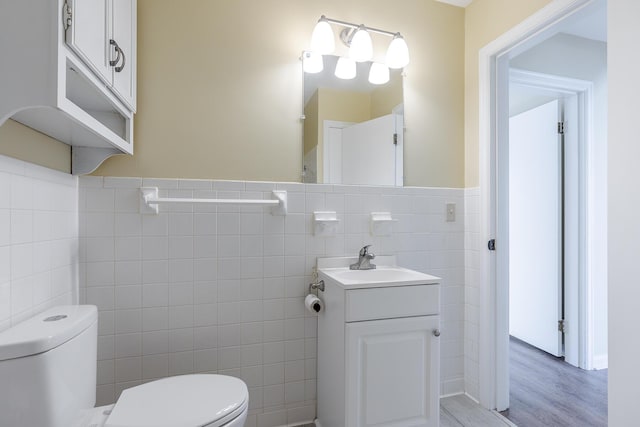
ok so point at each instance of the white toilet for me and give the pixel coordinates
(48, 379)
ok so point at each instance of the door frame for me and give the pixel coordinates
(579, 345)
(493, 340)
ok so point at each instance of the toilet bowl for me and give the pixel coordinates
(180, 401)
(48, 376)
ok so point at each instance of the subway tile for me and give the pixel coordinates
(127, 248)
(206, 337)
(123, 224)
(181, 363)
(127, 200)
(155, 342)
(128, 297)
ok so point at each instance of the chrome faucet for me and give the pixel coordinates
(364, 260)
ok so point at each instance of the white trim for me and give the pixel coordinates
(601, 362)
(493, 69)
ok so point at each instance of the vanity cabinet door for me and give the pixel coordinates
(89, 33)
(124, 34)
(392, 372)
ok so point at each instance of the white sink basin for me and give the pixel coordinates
(383, 275)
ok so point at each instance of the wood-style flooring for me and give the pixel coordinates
(460, 411)
(547, 392)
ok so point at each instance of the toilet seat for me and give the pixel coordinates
(181, 401)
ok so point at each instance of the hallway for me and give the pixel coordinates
(547, 392)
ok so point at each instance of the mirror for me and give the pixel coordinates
(353, 130)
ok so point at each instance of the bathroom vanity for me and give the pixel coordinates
(378, 346)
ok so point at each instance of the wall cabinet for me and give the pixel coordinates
(101, 33)
(379, 355)
(64, 77)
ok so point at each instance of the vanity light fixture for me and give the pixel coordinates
(398, 52)
(312, 62)
(358, 39)
(378, 74)
(322, 38)
(345, 68)
(360, 44)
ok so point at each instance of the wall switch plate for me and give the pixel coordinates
(451, 212)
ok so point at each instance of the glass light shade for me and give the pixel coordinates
(397, 53)
(378, 74)
(312, 62)
(345, 68)
(322, 38)
(361, 49)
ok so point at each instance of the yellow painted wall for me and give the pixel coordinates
(24, 143)
(311, 123)
(220, 87)
(485, 20)
(385, 98)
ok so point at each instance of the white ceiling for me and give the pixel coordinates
(590, 23)
(460, 3)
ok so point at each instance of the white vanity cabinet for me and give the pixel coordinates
(379, 354)
(61, 74)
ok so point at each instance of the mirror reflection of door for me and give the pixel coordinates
(363, 153)
(353, 130)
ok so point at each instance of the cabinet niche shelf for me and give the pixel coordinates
(49, 87)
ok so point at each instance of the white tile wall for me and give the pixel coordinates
(473, 246)
(38, 240)
(221, 289)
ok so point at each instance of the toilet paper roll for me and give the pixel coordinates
(313, 304)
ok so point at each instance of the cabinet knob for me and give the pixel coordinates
(436, 332)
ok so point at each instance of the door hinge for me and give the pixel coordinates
(561, 325)
(67, 14)
(491, 244)
(561, 128)
(395, 139)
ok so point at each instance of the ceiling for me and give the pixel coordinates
(590, 23)
(460, 3)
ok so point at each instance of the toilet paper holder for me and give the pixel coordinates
(315, 286)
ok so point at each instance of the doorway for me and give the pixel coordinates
(495, 62)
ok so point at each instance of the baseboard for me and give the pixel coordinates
(601, 362)
(458, 393)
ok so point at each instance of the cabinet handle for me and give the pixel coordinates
(436, 332)
(119, 51)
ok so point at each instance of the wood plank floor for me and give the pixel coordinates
(547, 392)
(460, 411)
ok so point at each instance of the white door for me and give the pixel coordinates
(89, 35)
(124, 34)
(535, 228)
(332, 153)
(369, 152)
(392, 373)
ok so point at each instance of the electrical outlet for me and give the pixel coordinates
(451, 212)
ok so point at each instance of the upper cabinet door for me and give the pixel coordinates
(124, 37)
(89, 32)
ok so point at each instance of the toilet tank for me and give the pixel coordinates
(48, 368)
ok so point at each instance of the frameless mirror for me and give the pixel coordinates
(353, 130)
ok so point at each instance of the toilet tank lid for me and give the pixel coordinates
(46, 330)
